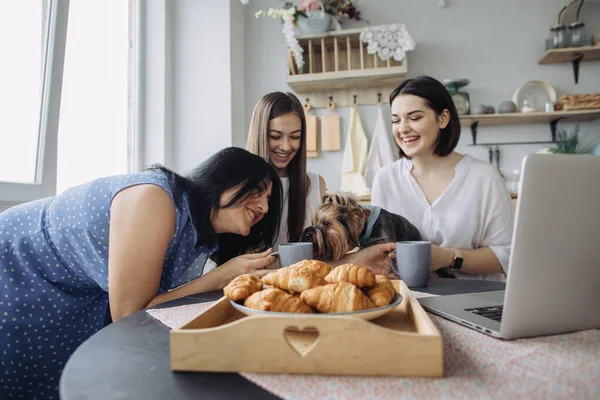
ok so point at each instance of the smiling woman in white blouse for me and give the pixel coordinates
(457, 202)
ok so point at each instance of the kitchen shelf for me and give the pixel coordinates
(325, 81)
(475, 121)
(574, 55)
(337, 65)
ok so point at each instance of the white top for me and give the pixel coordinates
(312, 201)
(474, 211)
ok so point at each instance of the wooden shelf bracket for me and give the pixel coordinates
(474, 132)
(475, 124)
(575, 62)
(553, 128)
(474, 121)
(574, 55)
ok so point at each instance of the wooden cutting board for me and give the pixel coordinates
(311, 133)
(330, 130)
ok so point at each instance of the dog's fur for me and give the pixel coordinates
(339, 221)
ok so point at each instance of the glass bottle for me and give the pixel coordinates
(558, 37)
(576, 34)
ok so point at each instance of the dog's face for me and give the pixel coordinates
(336, 225)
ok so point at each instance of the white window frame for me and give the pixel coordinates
(52, 76)
(151, 105)
(136, 86)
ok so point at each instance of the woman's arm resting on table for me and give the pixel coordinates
(493, 251)
(221, 276)
(480, 261)
(142, 223)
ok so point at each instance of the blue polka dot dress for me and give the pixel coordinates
(54, 277)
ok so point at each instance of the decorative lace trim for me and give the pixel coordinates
(388, 41)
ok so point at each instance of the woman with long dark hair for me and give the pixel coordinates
(137, 240)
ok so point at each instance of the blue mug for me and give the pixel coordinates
(413, 262)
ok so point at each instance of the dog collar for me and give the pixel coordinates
(364, 239)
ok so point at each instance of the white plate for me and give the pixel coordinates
(364, 314)
(538, 93)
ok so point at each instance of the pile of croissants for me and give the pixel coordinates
(311, 286)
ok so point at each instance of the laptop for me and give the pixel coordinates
(553, 280)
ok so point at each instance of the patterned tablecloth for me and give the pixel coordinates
(476, 366)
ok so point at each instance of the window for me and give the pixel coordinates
(32, 41)
(21, 73)
(91, 139)
(92, 134)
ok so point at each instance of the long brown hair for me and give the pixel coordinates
(269, 107)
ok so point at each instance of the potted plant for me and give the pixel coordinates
(574, 143)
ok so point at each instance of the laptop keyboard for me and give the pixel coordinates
(491, 312)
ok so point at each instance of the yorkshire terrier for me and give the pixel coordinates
(340, 224)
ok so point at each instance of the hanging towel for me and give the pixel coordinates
(381, 152)
(355, 157)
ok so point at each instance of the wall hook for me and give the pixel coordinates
(307, 106)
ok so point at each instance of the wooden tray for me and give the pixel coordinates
(403, 342)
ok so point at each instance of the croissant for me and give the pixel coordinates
(294, 279)
(352, 273)
(321, 267)
(242, 286)
(336, 297)
(383, 292)
(273, 299)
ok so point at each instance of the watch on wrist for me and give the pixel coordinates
(457, 261)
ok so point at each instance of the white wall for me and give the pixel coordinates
(495, 44)
(213, 60)
(202, 80)
(155, 123)
(188, 81)
(238, 64)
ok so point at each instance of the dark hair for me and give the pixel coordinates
(271, 106)
(204, 186)
(438, 99)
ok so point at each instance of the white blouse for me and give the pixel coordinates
(313, 199)
(474, 211)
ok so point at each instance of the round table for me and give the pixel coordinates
(129, 359)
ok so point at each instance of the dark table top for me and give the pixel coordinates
(129, 359)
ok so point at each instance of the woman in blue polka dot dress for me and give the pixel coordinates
(133, 239)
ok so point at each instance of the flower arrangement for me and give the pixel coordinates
(290, 13)
(339, 9)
